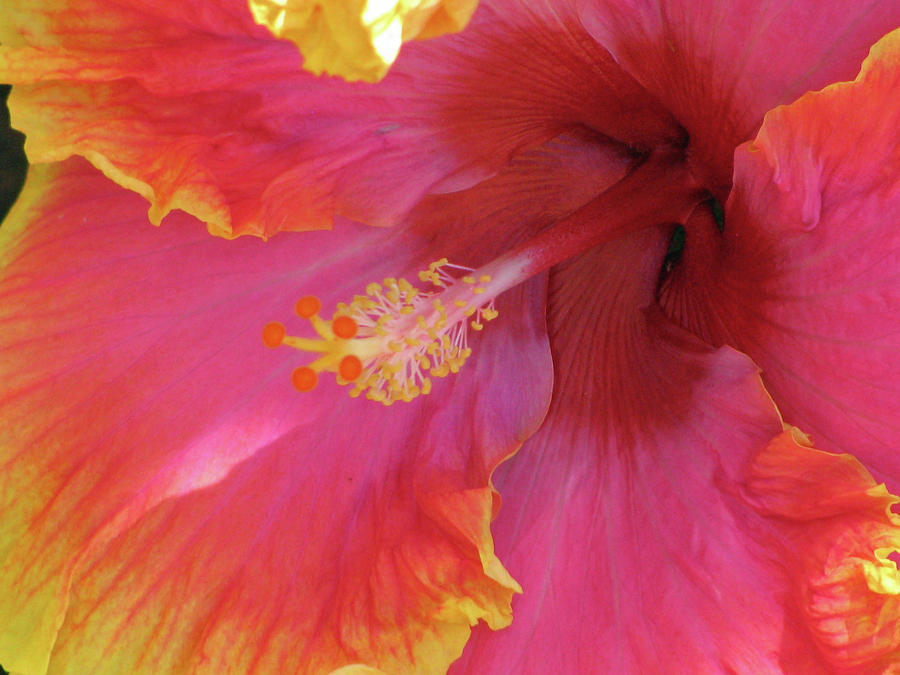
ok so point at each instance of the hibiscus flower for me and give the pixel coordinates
(682, 216)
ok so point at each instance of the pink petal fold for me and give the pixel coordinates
(621, 518)
(806, 277)
(720, 65)
(660, 521)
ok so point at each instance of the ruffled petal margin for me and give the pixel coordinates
(805, 278)
(838, 533)
(261, 146)
(171, 504)
(639, 519)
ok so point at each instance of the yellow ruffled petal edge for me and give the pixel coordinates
(840, 529)
(358, 39)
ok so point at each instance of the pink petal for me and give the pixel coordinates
(235, 435)
(171, 503)
(660, 521)
(621, 519)
(538, 188)
(720, 65)
(261, 146)
(806, 277)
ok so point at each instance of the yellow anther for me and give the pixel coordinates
(469, 312)
(468, 280)
(407, 309)
(478, 290)
(460, 303)
(373, 289)
(489, 314)
(476, 325)
(484, 278)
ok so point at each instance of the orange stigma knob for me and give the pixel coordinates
(391, 341)
(273, 334)
(307, 306)
(344, 327)
(304, 378)
(351, 368)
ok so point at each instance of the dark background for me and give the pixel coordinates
(12, 161)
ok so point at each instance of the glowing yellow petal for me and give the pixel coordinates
(358, 39)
